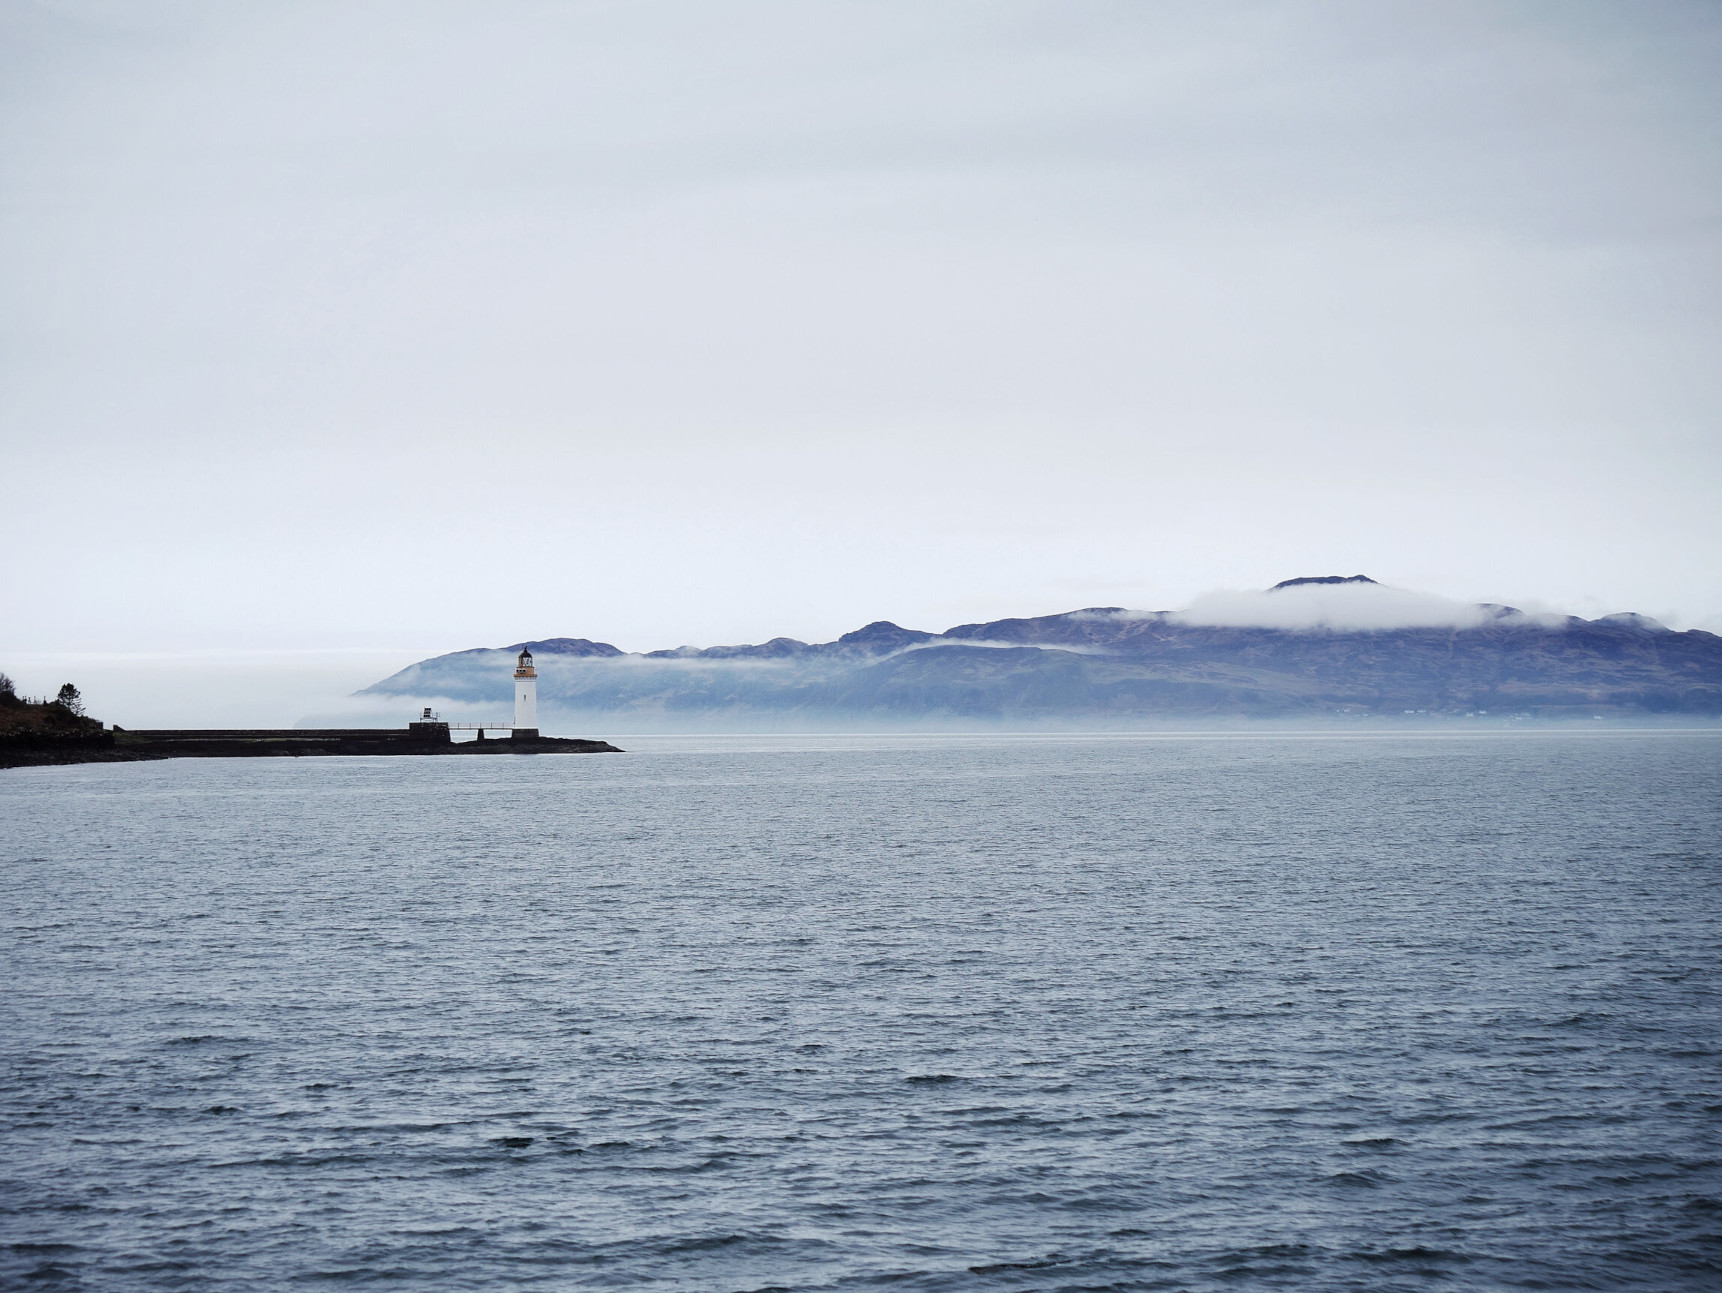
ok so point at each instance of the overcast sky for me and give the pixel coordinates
(417, 326)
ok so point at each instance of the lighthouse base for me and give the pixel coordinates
(524, 734)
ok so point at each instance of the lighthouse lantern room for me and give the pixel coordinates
(525, 696)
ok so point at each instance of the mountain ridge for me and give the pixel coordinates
(1113, 664)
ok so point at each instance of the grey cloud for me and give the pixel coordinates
(768, 317)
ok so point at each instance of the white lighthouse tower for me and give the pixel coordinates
(525, 697)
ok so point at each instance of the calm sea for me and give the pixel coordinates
(839, 1013)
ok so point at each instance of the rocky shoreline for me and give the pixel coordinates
(38, 733)
(46, 748)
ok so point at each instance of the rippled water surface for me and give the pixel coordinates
(737, 1014)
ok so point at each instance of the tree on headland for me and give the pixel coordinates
(8, 689)
(70, 700)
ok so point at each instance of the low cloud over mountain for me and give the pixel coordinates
(1334, 603)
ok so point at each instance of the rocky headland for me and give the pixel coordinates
(43, 732)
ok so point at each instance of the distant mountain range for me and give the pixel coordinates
(1327, 645)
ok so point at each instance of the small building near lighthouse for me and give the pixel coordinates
(525, 698)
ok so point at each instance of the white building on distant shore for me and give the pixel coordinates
(525, 696)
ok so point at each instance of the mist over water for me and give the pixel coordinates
(927, 1013)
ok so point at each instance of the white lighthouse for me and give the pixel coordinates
(525, 697)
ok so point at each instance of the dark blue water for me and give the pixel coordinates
(982, 1014)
